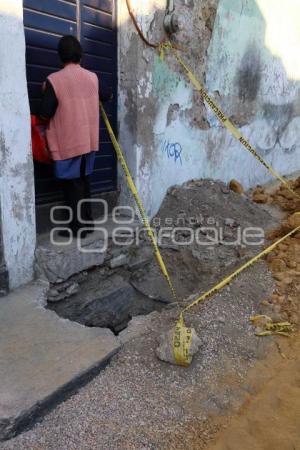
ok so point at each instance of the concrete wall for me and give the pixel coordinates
(247, 55)
(16, 168)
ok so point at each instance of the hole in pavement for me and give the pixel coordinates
(109, 302)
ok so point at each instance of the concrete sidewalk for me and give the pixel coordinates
(43, 358)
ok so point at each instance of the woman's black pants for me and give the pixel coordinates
(76, 190)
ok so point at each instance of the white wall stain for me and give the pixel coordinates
(145, 85)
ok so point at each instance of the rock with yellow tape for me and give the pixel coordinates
(178, 345)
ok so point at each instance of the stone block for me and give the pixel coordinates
(58, 263)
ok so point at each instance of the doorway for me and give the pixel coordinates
(94, 23)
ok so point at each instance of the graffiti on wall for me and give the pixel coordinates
(173, 150)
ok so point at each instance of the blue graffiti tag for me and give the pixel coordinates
(173, 151)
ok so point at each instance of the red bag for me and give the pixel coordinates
(39, 144)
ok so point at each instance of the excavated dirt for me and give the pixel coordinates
(270, 419)
(207, 220)
(216, 218)
(282, 197)
(284, 264)
(284, 261)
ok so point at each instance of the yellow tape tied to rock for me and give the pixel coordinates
(182, 350)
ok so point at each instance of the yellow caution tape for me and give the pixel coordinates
(221, 116)
(272, 328)
(138, 201)
(182, 343)
(162, 48)
(180, 355)
(183, 334)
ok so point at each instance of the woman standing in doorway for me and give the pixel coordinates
(71, 105)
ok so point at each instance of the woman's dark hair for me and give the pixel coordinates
(69, 49)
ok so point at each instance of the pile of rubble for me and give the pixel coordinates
(284, 261)
(282, 197)
(210, 241)
(200, 228)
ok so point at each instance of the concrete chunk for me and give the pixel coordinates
(60, 262)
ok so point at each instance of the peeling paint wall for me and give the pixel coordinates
(233, 47)
(16, 167)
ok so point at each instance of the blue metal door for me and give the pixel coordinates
(94, 23)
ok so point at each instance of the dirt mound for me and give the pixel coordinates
(284, 263)
(205, 230)
(209, 203)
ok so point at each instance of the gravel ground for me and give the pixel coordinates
(138, 402)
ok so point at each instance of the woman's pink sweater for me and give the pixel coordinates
(74, 129)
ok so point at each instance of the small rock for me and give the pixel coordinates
(241, 252)
(225, 190)
(278, 265)
(73, 289)
(277, 309)
(236, 186)
(294, 221)
(279, 276)
(260, 198)
(294, 318)
(221, 319)
(119, 261)
(259, 190)
(53, 293)
(268, 310)
(292, 264)
(165, 350)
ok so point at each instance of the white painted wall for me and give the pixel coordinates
(247, 36)
(16, 167)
